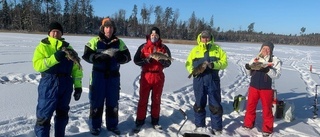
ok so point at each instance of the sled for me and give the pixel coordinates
(189, 134)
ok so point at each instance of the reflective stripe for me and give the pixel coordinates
(58, 75)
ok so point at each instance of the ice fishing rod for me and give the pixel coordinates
(189, 134)
(315, 114)
(185, 120)
(315, 108)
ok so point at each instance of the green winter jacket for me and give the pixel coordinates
(44, 58)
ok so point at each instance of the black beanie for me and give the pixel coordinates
(55, 25)
(157, 31)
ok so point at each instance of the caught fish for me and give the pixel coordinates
(110, 51)
(158, 56)
(72, 55)
(260, 65)
(114, 40)
(256, 65)
(199, 69)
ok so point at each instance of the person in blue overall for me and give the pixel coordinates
(207, 84)
(105, 52)
(59, 76)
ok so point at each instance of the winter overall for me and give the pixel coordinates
(54, 94)
(152, 78)
(207, 84)
(105, 80)
(105, 88)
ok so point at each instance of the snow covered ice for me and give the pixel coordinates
(18, 90)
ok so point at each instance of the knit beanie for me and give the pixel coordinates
(155, 30)
(55, 25)
(205, 34)
(107, 22)
(271, 47)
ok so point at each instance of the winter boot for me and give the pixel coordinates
(216, 132)
(139, 124)
(95, 131)
(115, 130)
(157, 127)
(265, 134)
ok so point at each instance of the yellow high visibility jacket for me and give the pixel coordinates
(44, 59)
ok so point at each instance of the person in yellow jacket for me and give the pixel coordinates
(59, 76)
(203, 63)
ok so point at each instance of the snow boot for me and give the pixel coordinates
(115, 130)
(95, 132)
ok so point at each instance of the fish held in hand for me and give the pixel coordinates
(110, 51)
(114, 40)
(260, 65)
(199, 69)
(256, 65)
(158, 56)
(72, 55)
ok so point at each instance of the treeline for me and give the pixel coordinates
(77, 17)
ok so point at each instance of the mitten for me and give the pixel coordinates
(164, 63)
(265, 70)
(247, 66)
(59, 55)
(148, 60)
(65, 44)
(211, 65)
(120, 57)
(77, 93)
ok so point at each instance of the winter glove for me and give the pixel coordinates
(211, 65)
(247, 66)
(59, 55)
(265, 70)
(148, 60)
(77, 93)
(65, 44)
(164, 63)
(100, 57)
(120, 57)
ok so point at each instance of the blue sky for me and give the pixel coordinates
(277, 16)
